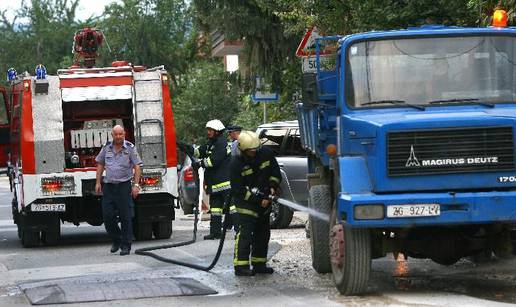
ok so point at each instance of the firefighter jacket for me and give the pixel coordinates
(260, 172)
(215, 158)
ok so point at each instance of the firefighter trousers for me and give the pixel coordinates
(252, 239)
(217, 202)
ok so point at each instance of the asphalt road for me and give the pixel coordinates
(82, 257)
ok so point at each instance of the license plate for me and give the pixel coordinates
(48, 207)
(415, 210)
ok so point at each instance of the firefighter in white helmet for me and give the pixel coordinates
(215, 157)
(253, 167)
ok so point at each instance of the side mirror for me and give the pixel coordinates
(310, 91)
(262, 133)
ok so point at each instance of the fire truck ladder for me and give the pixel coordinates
(148, 114)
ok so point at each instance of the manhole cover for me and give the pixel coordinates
(66, 292)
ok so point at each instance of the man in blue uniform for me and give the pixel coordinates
(122, 164)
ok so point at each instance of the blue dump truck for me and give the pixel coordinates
(410, 137)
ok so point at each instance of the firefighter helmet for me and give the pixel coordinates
(215, 124)
(248, 140)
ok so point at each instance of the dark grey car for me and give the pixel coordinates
(188, 184)
(284, 139)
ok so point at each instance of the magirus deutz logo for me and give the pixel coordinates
(413, 161)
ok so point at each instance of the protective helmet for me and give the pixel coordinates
(248, 140)
(215, 124)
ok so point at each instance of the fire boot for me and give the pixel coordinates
(262, 269)
(242, 270)
(215, 228)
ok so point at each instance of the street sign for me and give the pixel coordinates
(307, 45)
(263, 92)
(310, 63)
(264, 96)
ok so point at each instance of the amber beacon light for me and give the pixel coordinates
(500, 18)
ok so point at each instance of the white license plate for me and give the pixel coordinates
(48, 207)
(415, 210)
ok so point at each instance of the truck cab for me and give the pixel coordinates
(410, 138)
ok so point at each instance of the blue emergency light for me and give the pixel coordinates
(41, 72)
(11, 74)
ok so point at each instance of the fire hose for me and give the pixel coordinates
(149, 251)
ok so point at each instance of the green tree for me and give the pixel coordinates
(209, 94)
(152, 33)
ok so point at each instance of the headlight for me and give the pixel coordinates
(368, 212)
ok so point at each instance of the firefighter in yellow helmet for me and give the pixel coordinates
(253, 167)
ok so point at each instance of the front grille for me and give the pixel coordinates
(443, 151)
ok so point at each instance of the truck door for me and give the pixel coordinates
(4, 128)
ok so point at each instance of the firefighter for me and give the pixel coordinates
(215, 157)
(254, 167)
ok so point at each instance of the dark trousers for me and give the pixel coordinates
(217, 201)
(117, 205)
(252, 239)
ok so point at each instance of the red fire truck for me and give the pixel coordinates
(4, 129)
(59, 124)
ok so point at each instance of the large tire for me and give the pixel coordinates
(142, 231)
(29, 238)
(351, 266)
(320, 200)
(53, 234)
(281, 216)
(162, 229)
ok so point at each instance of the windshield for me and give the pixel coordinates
(429, 71)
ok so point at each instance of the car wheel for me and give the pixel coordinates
(280, 217)
(187, 208)
(320, 200)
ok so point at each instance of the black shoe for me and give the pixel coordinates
(114, 248)
(125, 251)
(212, 236)
(263, 269)
(243, 271)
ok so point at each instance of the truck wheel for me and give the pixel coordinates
(30, 238)
(320, 199)
(281, 216)
(52, 235)
(162, 229)
(142, 231)
(350, 256)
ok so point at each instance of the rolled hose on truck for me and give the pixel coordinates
(148, 251)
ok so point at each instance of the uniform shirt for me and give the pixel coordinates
(234, 148)
(119, 166)
(215, 158)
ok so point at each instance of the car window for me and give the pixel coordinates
(293, 144)
(273, 138)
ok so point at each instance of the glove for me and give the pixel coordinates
(196, 165)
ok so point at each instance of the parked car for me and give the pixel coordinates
(188, 183)
(284, 139)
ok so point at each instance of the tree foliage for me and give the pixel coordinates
(176, 34)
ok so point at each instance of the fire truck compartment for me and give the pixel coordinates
(87, 126)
